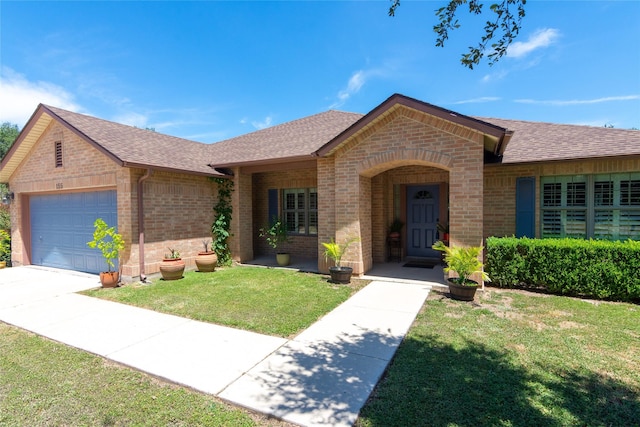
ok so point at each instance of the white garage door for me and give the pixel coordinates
(62, 224)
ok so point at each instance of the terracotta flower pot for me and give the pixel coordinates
(109, 279)
(172, 269)
(206, 261)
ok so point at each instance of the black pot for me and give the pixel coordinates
(341, 274)
(463, 292)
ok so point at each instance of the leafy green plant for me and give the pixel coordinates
(462, 261)
(336, 251)
(107, 240)
(221, 227)
(5, 246)
(578, 267)
(275, 234)
(5, 218)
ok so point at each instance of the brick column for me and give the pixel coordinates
(348, 198)
(326, 208)
(241, 241)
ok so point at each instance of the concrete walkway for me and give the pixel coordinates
(320, 378)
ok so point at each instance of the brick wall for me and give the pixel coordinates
(178, 213)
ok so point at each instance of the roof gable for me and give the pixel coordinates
(496, 137)
(126, 145)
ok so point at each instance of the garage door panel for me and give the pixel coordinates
(62, 224)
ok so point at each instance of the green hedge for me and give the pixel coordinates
(587, 268)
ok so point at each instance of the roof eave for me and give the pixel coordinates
(39, 121)
(213, 173)
(265, 162)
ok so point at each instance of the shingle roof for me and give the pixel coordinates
(296, 139)
(302, 138)
(539, 142)
(140, 147)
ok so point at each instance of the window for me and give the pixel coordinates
(58, 154)
(300, 210)
(603, 206)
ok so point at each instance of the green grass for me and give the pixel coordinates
(269, 301)
(513, 358)
(43, 383)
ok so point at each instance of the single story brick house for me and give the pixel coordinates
(329, 175)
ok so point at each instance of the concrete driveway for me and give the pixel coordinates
(322, 377)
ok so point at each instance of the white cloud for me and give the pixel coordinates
(479, 100)
(540, 39)
(20, 97)
(263, 124)
(357, 80)
(562, 103)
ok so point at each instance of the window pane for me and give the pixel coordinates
(300, 227)
(313, 222)
(313, 199)
(290, 219)
(603, 225)
(551, 224)
(300, 202)
(552, 194)
(603, 193)
(576, 224)
(629, 225)
(630, 193)
(290, 200)
(576, 194)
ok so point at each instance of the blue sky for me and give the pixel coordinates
(208, 70)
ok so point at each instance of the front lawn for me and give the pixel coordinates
(513, 358)
(269, 301)
(44, 383)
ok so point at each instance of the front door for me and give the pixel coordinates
(422, 220)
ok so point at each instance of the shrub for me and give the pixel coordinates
(577, 267)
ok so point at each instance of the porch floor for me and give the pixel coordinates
(387, 271)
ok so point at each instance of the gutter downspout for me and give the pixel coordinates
(143, 178)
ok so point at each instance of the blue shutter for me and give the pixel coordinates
(273, 206)
(526, 207)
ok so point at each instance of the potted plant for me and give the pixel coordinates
(276, 234)
(443, 230)
(463, 262)
(207, 260)
(172, 266)
(339, 273)
(110, 244)
(5, 248)
(395, 229)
